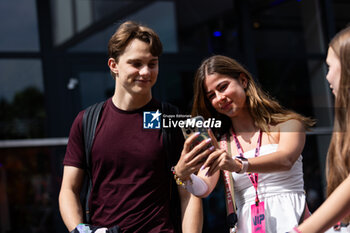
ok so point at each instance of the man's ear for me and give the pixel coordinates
(243, 80)
(113, 66)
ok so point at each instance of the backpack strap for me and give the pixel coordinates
(90, 119)
(172, 142)
(167, 134)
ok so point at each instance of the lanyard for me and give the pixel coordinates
(255, 176)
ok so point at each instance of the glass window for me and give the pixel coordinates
(63, 20)
(103, 9)
(18, 25)
(84, 14)
(22, 110)
(164, 23)
(95, 87)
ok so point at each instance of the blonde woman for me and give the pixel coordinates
(266, 142)
(336, 209)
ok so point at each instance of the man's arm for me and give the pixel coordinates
(191, 212)
(69, 201)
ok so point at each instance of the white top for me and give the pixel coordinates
(282, 192)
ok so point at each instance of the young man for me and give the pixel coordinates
(128, 163)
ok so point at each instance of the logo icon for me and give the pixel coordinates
(151, 120)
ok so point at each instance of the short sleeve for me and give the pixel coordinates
(75, 148)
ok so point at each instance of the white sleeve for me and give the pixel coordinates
(197, 187)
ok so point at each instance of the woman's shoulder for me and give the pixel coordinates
(291, 125)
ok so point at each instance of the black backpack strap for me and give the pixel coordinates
(173, 142)
(90, 119)
(170, 136)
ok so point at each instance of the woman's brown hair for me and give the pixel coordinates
(338, 158)
(264, 110)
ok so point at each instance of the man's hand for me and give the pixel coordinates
(86, 228)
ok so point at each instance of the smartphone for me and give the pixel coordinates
(193, 125)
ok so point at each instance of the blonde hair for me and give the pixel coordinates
(264, 110)
(338, 157)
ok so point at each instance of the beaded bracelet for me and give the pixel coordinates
(178, 179)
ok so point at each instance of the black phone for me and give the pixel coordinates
(193, 125)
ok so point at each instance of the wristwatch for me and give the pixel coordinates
(244, 163)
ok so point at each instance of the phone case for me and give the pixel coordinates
(188, 131)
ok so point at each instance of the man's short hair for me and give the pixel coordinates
(128, 31)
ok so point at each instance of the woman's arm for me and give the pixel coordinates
(336, 207)
(69, 201)
(291, 142)
(290, 145)
(191, 212)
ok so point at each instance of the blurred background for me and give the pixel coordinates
(53, 63)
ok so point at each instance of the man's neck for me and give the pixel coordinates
(129, 102)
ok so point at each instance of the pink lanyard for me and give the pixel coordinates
(255, 176)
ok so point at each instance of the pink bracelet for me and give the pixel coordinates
(296, 230)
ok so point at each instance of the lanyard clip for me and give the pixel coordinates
(257, 199)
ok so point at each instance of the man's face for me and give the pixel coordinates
(137, 69)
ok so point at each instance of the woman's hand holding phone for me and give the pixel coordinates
(202, 151)
(193, 157)
(220, 161)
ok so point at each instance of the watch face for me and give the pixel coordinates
(244, 163)
(241, 158)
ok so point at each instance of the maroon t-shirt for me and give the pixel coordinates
(130, 184)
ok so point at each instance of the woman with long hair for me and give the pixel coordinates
(336, 209)
(261, 144)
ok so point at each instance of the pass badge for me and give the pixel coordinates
(258, 217)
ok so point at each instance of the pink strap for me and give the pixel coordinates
(254, 178)
(228, 187)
